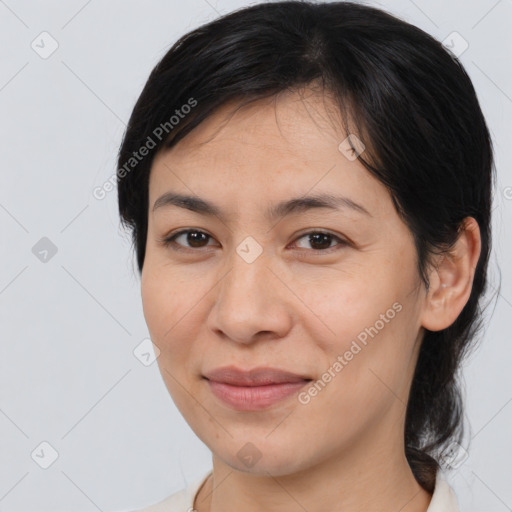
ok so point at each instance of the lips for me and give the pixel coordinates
(253, 377)
(255, 389)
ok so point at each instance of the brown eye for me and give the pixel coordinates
(192, 239)
(320, 241)
(196, 238)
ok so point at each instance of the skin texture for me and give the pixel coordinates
(295, 307)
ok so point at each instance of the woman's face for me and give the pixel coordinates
(248, 289)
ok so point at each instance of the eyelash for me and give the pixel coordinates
(169, 241)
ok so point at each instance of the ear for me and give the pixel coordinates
(451, 280)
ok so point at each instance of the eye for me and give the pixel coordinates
(194, 237)
(320, 241)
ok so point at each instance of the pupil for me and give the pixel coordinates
(193, 238)
(318, 236)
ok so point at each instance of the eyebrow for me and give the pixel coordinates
(282, 209)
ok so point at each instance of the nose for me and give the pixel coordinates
(251, 302)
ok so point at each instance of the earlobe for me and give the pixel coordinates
(451, 279)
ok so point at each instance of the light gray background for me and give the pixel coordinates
(69, 326)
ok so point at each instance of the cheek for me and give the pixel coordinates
(165, 309)
(166, 297)
(346, 307)
(369, 321)
(157, 304)
(174, 313)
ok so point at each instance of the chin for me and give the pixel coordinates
(256, 455)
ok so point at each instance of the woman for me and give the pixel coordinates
(308, 187)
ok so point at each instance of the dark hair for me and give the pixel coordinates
(413, 106)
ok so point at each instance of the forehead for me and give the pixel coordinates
(285, 145)
(286, 121)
